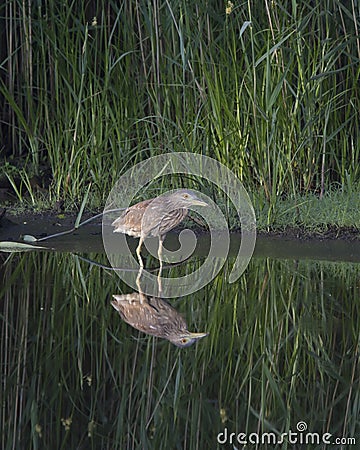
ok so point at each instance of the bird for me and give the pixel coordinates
(156, 317)
(163, 213)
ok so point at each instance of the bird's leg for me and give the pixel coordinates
(138, 250)
(142, 298)
(138, 281)
(160, 249)
(159, 285)
(161, 240)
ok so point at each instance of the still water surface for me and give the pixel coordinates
(282, 355)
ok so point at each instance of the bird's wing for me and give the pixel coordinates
(141, 205)
(130, 220)
(167, 221)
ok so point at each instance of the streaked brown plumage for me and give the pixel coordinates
(155, 217)
(156, 317)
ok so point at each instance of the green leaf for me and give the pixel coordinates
(78, 219)
(10, 247)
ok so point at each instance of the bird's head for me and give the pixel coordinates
(185, 198)
(186, 338)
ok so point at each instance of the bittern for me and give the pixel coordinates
(155, 217)
(156, 317)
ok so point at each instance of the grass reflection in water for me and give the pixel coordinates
(282, 347)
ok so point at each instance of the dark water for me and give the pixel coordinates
(282, 352)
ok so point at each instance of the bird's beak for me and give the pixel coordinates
(197, 202)
(117, 299)
(197, 335)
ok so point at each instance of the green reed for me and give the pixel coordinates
(283, 347)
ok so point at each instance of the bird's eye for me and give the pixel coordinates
(186, 196)
(184, 340)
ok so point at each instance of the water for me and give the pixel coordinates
(282, 349)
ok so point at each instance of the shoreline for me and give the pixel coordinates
(52, 222)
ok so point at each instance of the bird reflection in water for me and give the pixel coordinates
(154, 316)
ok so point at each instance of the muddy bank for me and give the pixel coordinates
(48, 222)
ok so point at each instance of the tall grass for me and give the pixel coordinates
(268, 88)
(283, 347)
